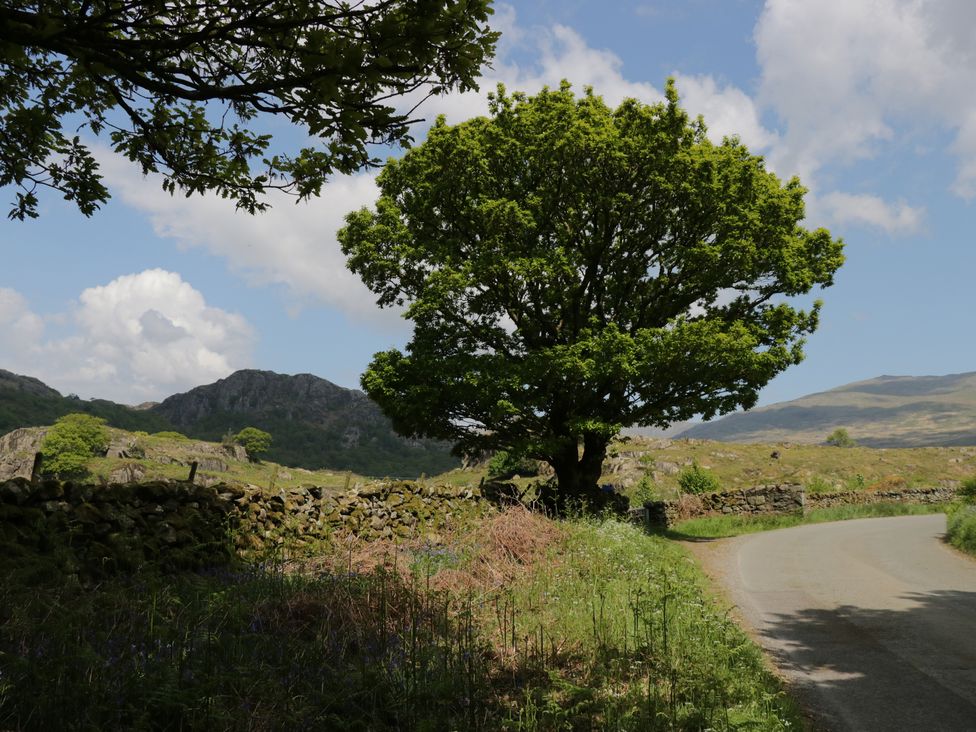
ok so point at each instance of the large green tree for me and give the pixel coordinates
(180, 87)
(571, 269)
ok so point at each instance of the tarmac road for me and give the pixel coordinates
(872, 621)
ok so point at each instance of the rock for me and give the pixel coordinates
(128, 473)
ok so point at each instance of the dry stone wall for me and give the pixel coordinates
(776, 499)
(938, 494)
(180, 525)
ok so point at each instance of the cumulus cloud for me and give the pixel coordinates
(140, 337)
(728, 111)
(847, 78)
(870, 210)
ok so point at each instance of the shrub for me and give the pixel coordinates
(840, 438)
(255, 441)
(169, 435)
(505, 464)
(697, 480)
(819, 485)
(967, 490)
(646, 491)
(71, 443)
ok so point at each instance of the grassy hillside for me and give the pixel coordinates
(890, 411)
(814, 466)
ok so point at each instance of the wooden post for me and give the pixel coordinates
(193, 471)
(36, 470)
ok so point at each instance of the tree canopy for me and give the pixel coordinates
(181, 87)
(71, 442)
(571, 269)
(256, 442)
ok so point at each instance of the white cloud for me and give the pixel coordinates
(847, 78)
(867, 209)
(291, 244)
(727, 111)
(140, 337)
(20, 329)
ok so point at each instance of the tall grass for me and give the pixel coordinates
(514, 623)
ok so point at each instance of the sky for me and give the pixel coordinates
(870, 102)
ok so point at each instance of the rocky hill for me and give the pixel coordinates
(315, 424)
(888, 411)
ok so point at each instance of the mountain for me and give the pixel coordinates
(27, 402)
(314, 423)
(888, 411)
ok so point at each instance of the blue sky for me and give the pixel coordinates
(871, 102)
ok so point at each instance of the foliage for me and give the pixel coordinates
(71, 442)
(961, 527)
(171, 435)
(856, 482)
(817, 484)
(697, 480)
(840, 438)
(967, 490)
(645, 492)
(188, 89)
(571, 268)
(613, 631)
(504, 464)
(255, 441)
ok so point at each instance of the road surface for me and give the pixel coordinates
(872, 621)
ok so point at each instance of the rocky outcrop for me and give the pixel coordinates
(302, 397)
(314, 424)
(17, 450)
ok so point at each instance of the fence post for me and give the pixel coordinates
(36, 469)
(193, 471)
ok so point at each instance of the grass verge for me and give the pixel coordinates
(717, 527)
(961, 527)
(513, 622)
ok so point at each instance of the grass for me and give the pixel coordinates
(961, 526)
(717, 527)
(819, 468)
(511, 622)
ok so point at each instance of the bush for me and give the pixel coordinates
(697, 480)
(255, 441)
(169, 435)
(967, 490)
(504, 465)
(840, 438)
(71, 443)
(818, 484)
(961, 527)
(646, 492)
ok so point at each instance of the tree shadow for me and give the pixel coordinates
(882, 669)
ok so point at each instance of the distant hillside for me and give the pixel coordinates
(27, 402)
(315, 424)
(889, 411)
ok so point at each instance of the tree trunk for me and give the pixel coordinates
(579, 477)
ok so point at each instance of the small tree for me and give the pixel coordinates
(71, 442)
(697, 480)
(840, 438)
(255, 441)
(571, 269)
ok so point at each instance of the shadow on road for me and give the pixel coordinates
(882, 669)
